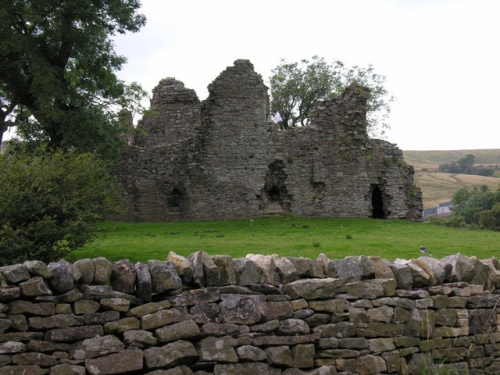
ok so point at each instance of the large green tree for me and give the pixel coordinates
(297, 87)
(57, 70)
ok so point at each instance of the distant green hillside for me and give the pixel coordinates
(432, 159)
(440, 187)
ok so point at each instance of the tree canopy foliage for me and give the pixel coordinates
(57, 70)
(476, 208)
(50, 202)
(466, 165)
(296, 88)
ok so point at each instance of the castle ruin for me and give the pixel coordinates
(222, 158)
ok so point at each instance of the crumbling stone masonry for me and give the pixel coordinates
(215, 315)
(223, 158)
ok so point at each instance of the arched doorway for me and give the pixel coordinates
(377, 203)
(275, 197)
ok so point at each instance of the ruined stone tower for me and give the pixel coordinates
(223, 159)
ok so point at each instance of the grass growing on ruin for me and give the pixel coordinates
(287, 236)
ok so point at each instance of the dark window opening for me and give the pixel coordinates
(274, 194)
(377, 203)
(174, 200)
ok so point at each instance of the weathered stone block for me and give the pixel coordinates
(293, 327)
(370, 364)
(196, 297)
(274, 310)
(185, 330)
(214, 329)
(14, 274)
(251, 353)
(335, 306)
(38, 268)
(96, 347)
(225, 273)
(84, 307)
(11, 347)
(271, 340)
(73, 333)
(247, 271)
(312, 289)
(55, 321)
(148, 308)
(164, 276)
(164, 317)
(279, 356)
(122, 325)
(348, 269)
(250, 368)
(139, 338)
(123, 276)
(144, 283)
(266, 263)
(26, 307)
(31, 359)
(118, 363)
(219, 349)
(381, 345)
(67, 369)
(170, 355)
(102, 271)
(9, 293)
(240, 309)
(87, 269)
(303, 356)
(363, 289)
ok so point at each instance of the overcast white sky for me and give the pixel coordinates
(441, 58)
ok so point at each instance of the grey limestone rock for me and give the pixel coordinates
(185, 330)
(182, 265)
(268, 267)
(144, 282)
(139, 338)
(103, 269)
(164, 276)
(96, 347)
(462, 267)
(347, 268)
(219, 349)
(38, 268)
(116, 363)
(173, 354)
(14, 274)
(314, 288)
(123, 276)
(247, 272)
(36, 286)
(87, 269)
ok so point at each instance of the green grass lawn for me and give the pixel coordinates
(287, 236)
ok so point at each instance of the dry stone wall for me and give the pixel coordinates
(223, 159)
(267, 314)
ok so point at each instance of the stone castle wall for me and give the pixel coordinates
(223, 159)
(275, 315)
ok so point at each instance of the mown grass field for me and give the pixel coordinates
(336, 238)
(288, 236)
(440, 187)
